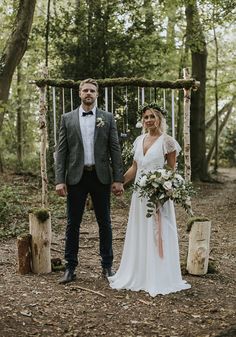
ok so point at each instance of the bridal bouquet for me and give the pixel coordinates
(164, 184)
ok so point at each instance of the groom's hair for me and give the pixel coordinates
(88, 80)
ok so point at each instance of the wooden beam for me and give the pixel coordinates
(111, 82)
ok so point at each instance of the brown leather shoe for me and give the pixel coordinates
(107, 272)
(68, 276)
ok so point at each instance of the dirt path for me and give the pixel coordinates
(35, 305)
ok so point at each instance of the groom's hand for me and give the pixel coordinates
(117, 188)
(61, 190)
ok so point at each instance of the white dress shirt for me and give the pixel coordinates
(87, 126)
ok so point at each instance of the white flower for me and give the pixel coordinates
(178, 177)
(142, 181)
(100, 122)
(166, 174)
(162, 172)
(167, 185)
(153, 177)
(155, 184)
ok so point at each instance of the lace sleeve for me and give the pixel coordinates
(170, 145)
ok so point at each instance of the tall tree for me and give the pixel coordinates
(195, 41)
(13, 52)
(19, 120)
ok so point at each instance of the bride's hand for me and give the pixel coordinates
(117, 189)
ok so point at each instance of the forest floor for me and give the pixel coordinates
(36, 305)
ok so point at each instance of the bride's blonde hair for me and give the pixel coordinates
(159, 118)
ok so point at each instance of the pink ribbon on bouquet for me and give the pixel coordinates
(159, 233)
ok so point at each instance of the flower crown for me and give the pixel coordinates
(152, 105)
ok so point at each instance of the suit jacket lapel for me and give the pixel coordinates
(98, 114)
(77, 123)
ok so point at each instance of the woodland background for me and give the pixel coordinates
(110, 39)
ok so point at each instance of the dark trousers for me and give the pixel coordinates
(76, 200)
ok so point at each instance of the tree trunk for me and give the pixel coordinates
(149, 22)
(50, 128)
(187, 153)
(13, 51)
(43, 143)
(19, 121)
(47, 34)
(217, 134)
(180, 122)
(196, 42)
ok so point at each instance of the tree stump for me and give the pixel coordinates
(24, 253)
(40, 230)
(199, 247)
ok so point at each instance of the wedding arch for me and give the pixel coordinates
(186, 84)
(40, 220)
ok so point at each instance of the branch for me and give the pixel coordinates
(228, 106)
(89, 290)
(210, 153)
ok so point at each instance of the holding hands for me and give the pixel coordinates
(117, 189)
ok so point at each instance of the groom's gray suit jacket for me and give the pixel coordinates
(70, 151)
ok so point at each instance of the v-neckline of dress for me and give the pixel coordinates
(144, 154)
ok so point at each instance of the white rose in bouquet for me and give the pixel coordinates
(142, 181)
(167, 185)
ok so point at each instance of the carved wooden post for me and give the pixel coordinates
(24, 253)
(199, 247)
(40, 230)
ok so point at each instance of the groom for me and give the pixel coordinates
(88, 161)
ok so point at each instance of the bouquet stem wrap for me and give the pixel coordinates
(159, 233)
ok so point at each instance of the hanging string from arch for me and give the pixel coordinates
(112, 101)
(138, 97)
(164, 98)
(63, 101)
(71, 99)
(106, 99)
(142, 95)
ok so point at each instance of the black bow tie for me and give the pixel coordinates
(87, 113)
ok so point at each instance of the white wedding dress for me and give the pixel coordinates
(142, 267)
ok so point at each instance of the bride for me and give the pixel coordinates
(150, 258)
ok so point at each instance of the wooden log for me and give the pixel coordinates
(40, 229)
(24, 254)
(199, 247)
